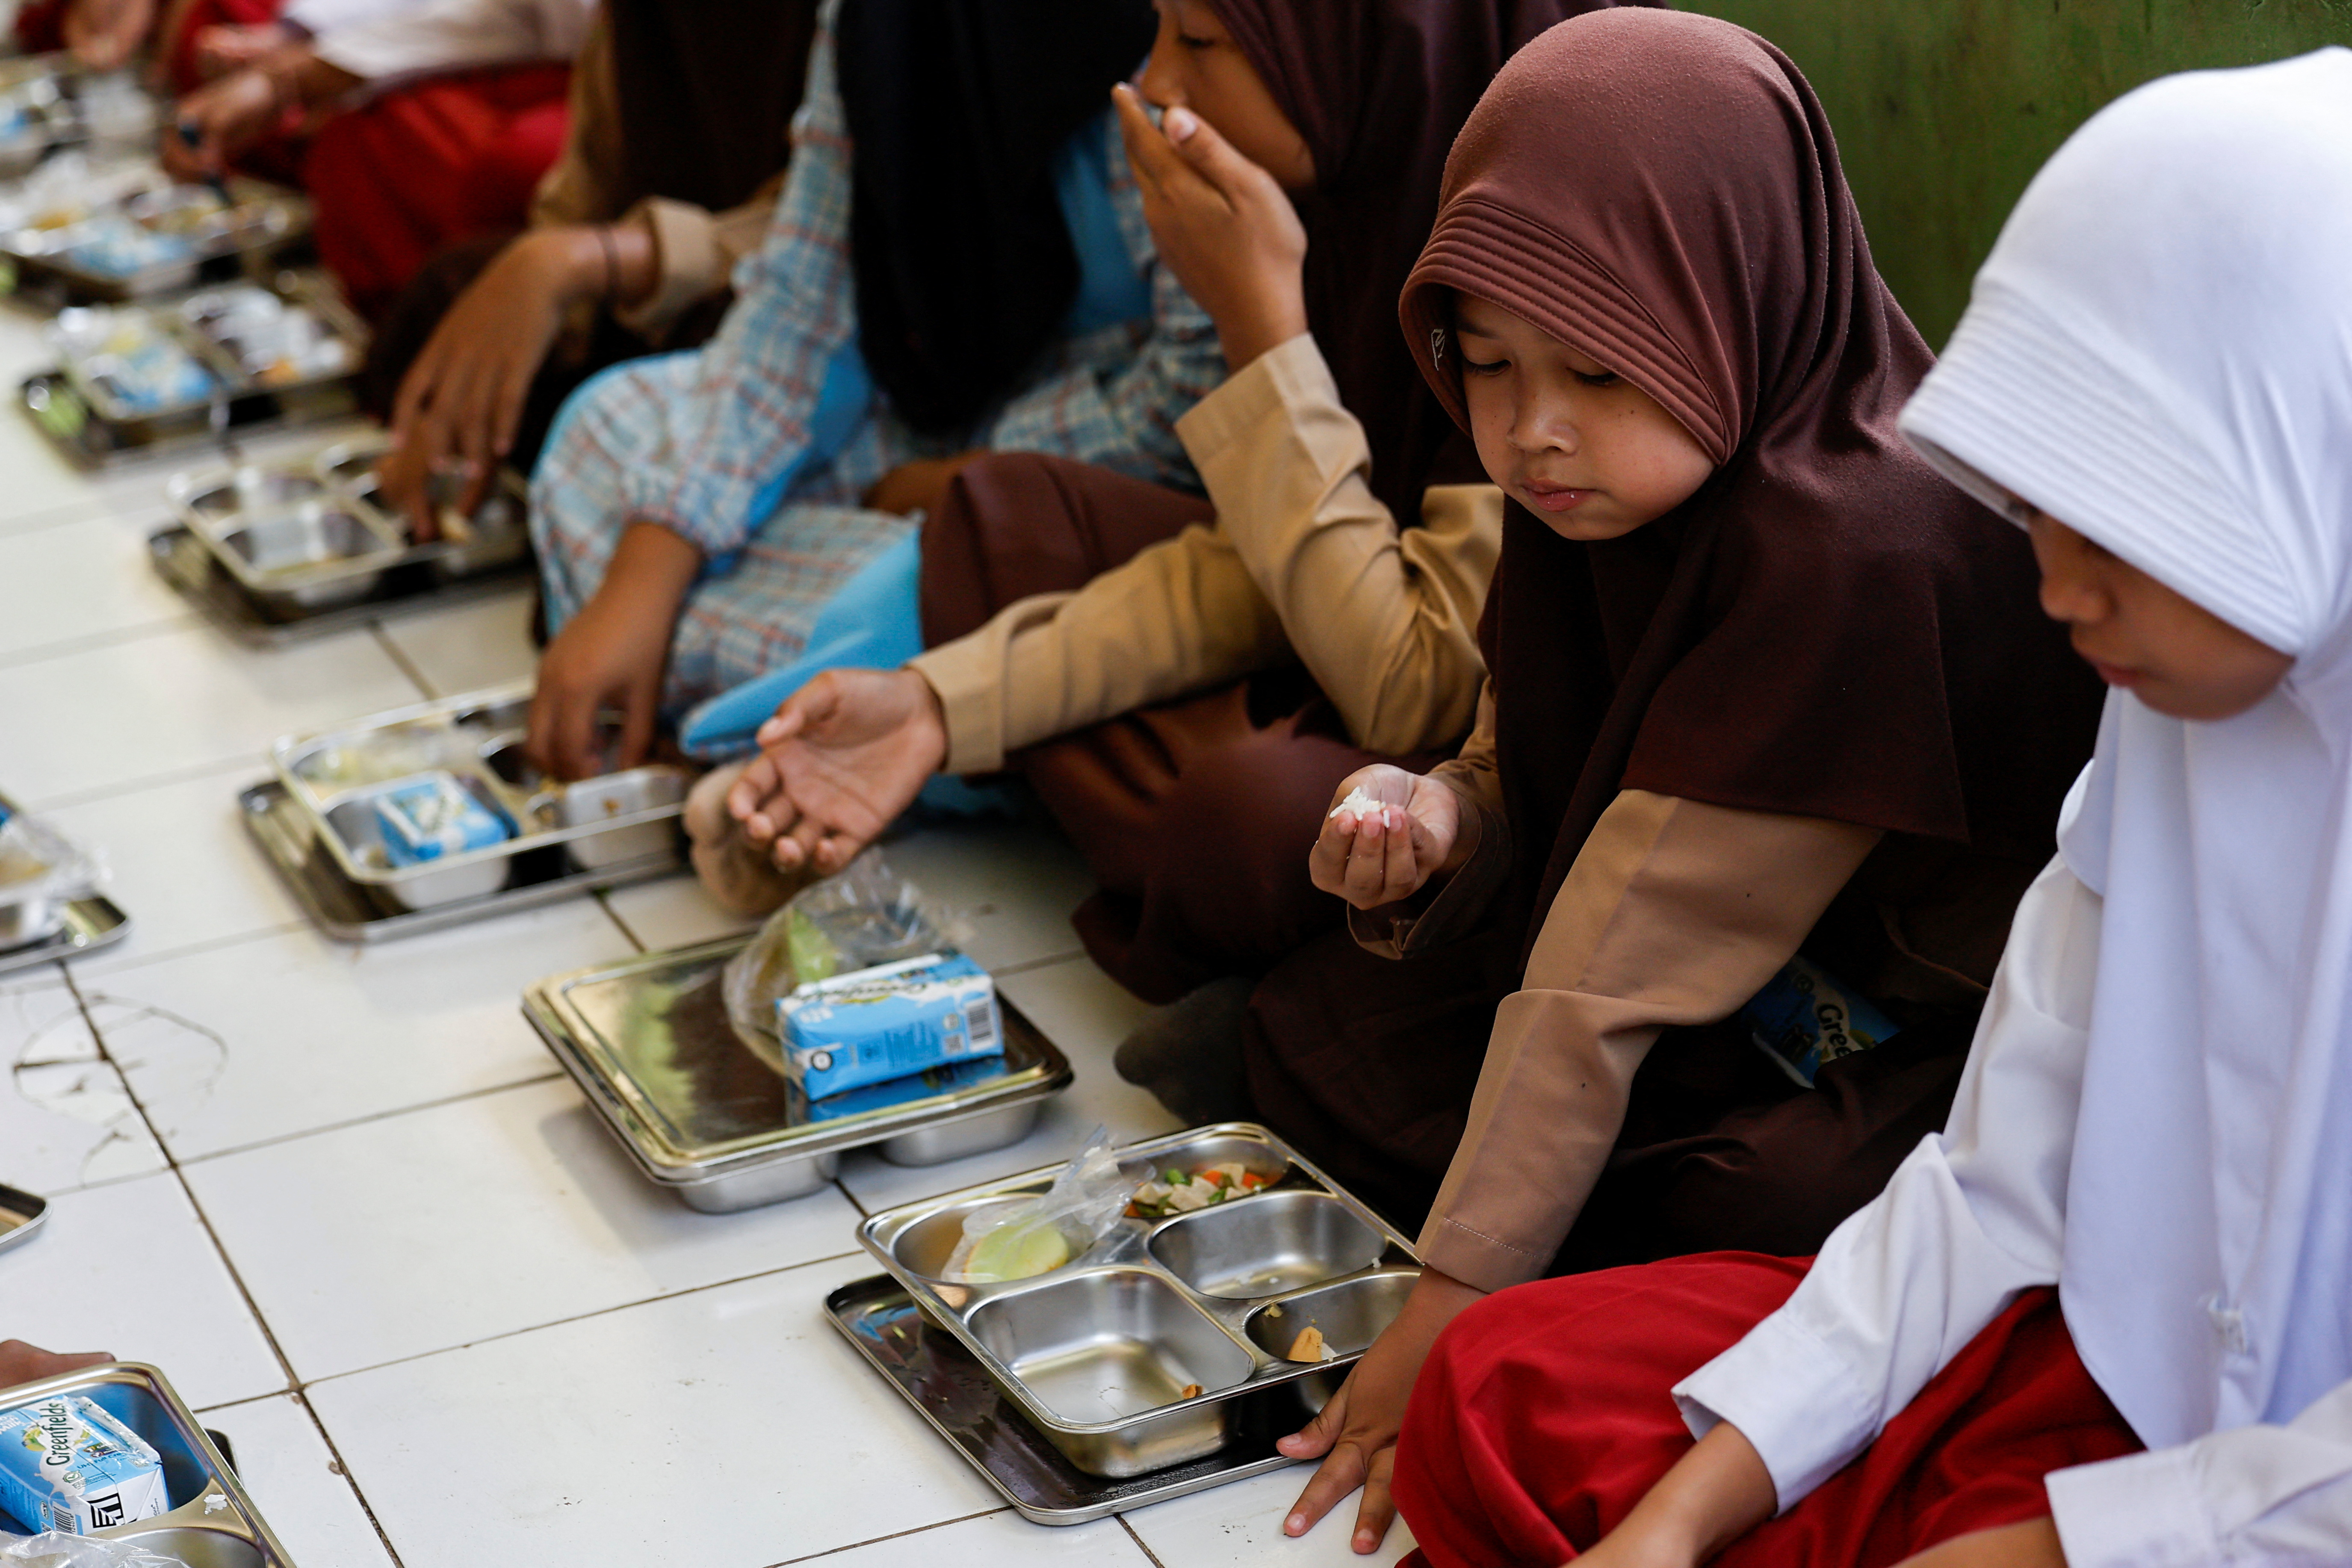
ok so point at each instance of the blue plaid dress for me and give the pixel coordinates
(757, 446)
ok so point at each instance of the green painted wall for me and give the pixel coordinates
(1945, 108)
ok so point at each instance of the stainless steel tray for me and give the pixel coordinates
(265, 219)
(287, 839)
(310, 535)
(22, 1215)
(649, 1042)
(186, 564)
(620, 824)
(932, 1371)
(1099, 1354)
(90, 923)
(212, 1522)
(192, 325)
(65, 417)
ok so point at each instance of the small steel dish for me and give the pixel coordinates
(630, 793)
(327, 776)
(1150, 1317)
(212, 1522)
(494, 535)
(649, 1042)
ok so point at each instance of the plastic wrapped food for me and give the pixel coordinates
(865, 915)
(112, 244)
(275, 344)
(127, 358)
(1024, 1237)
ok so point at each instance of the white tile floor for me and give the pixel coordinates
(344, 1198)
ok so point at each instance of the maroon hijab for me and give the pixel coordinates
(1378, 89)
(1826, 629)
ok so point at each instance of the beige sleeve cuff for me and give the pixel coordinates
(969, 676)
(688, 263)
(1675, 912)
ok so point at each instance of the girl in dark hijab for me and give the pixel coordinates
(1324, 597)
(1764, 688)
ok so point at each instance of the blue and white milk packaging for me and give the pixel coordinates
(1806, 1017)
(66, 1465)
(432, 815)
(871, 1026)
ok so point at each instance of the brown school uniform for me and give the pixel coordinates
(1814, 706)
(1315, 614)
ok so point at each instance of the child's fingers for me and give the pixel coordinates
(1147, 150)
(753, 785)
(1327, 863)
(1199, 146)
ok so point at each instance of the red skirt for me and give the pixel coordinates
(428, 165)
(1543, 1416)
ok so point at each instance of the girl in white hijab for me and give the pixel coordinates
(2155, 376)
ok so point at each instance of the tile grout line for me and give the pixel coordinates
(1141, 1545)
(894, 1535)
(614, 915)
(551, 1075)
(90, 642)
(294, 1383)
(677, 1295)
(392, 651)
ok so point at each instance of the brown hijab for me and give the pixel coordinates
(1378, 89)
(1826, 629)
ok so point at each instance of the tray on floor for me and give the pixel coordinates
(182, 560)
(948, 1388)
(348, 913)
(62, 414)
(90, 923)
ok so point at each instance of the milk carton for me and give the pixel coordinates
(1806, 1018)
(66, 1465)
(896, 1019)
(433, 816)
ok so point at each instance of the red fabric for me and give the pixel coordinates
(1543, 1417)
(427, 166)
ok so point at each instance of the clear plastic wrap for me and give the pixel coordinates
(49, 1550)
(1024, 1237)
(865, 915)
(40, 871)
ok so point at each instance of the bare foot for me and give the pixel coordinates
(734, 871)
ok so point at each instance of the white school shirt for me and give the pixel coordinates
(1977, 1214)
(456, 34)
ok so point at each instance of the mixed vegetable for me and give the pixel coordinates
(1182, 1192)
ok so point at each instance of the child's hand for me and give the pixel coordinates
(1377, 854)
(841, 758)
(608, 660)
(1223, 224)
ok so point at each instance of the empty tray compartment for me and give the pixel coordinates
(1110, 1356)
(1266, 1244)
(614, 795)
(290, 552)
(212, 500)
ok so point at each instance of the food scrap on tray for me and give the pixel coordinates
(1181, 1192)
(1309, 1346)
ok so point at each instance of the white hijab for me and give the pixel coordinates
(2159, 353)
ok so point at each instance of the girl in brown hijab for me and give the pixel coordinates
(1324, 596)
(1762, 682)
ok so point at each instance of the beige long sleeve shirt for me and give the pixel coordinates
(695, 249)
(1302, 563)
(1675, 912)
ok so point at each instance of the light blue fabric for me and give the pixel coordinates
(1111, 289)
(873, 623)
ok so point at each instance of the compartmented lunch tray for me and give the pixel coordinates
(650, 1043)
(301, 538)
(948, 1389)
(126, 230)
(1167, 1342)
(212, 1522)
(65, 417)
(187, 565)
(83, 925)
